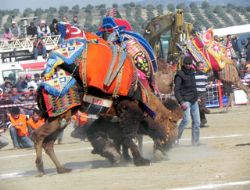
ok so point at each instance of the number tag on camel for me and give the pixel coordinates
(97, 101)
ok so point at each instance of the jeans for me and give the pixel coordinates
(192, 108)
(36, 51)
(18, 141)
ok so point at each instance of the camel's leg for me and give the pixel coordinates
(140, 142)
(39, 160)
(130, 118)
(125, 153)
(138, 159)
(105, 148)
(39, 136)
(49, 149)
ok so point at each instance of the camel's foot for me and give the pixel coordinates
(127, 158)
(40, 168)
(39, 174)
(62, 170)
(158, 155)
(112, 154)
(141, 162)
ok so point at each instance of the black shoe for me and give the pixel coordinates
(204, 125)
(196, 144)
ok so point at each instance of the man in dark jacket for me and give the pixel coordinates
(32, 30)
(187, 96)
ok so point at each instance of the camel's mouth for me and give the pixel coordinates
(162, 145)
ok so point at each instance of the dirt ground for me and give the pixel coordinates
(221, 162)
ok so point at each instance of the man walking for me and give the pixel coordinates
(187, 96)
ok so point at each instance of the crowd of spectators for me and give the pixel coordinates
(37, 32)
(17, 105)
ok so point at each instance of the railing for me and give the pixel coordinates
(26, 44)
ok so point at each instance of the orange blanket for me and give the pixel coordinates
(97, 63)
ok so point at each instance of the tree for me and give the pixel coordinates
(27, 12)
(180, 6)
(132, 4)
(52, 10)
(217, 9)
(115, 5)
(101, 6)
(102, 11)
(171, 7)
(205, 5)
(159, 9)
(89, 7)
(75, 9)
(38, 12)
(150, 7)
(63, 10)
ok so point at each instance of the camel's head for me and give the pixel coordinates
(169, 132)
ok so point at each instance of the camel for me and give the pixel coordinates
(132, 101)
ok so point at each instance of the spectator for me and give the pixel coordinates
(15, 29)
(187, 96)
(7, 85)
(35, 121)
(75, 22)
(39, 48)
(201, 83)
(19, 130)
(3, 117)
(65, 19)
(28, 101)
(14, 94)
(53, 27)
(248, 50)
(43, 30)
(228, 91)
(21, 83)
(37, 78)
(80, 123)
(32, 30)
(247, 75)
(7, 35)
(30, 83)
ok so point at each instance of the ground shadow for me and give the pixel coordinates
(243, 144)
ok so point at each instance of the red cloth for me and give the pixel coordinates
(119, 22)
(206, 54)
(73, 32)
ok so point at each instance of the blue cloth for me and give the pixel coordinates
(192, 110)
(36, 52)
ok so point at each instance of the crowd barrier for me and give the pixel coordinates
(217, 98)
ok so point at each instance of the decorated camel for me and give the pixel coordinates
(98, 77)
(201, 45)
(216, 56)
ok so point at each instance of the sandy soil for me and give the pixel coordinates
(221, 162)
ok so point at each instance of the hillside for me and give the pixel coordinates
(200, 13)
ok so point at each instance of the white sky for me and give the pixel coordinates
(44, 4)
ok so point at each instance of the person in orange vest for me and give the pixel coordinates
(18, 129)
(35, 121)
(80, 122)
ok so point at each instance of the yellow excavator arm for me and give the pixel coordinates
(174, 24)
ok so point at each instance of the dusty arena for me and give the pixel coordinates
(221, 162)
